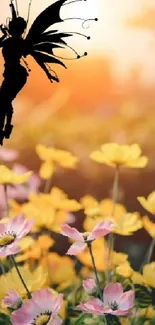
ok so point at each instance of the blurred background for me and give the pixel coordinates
(108, 96)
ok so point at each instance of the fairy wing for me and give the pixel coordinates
(40, 43)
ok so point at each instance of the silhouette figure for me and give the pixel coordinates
(38, 43)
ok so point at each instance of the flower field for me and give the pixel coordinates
(56, 269)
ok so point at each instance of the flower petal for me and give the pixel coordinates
(76, 248)
(112, 293)
(100, 230)
(56, 305)
(93, 306)
(71, 233)
(127, 300)
(56, 321)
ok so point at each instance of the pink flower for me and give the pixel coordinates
(89, 285)
(8, 154)
(13, 300)
(41, 309)
(81, 239)
(11, 232)
(115, 302)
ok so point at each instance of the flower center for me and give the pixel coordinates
(42, 320)
(114, 305)
(85, 235)
(6, 240)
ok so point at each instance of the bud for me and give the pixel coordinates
(89, 285)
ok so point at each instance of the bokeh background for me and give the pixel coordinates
(108, 96)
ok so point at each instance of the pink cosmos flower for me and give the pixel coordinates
(11, 232)
(8, 154)
(41, 309)
(13, 300)
(89, 285)
(115, 302)
(100, 230)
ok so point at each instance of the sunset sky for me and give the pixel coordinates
(109, 36)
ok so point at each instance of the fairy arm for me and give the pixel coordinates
(13, 11)
(4, 35)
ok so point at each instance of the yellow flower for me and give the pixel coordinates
(60, 268)
(26, 243)
(34, 280)
(47, 210)
(118, 258)
(127, 224)
(60, 201)
(33, 250)
(149, 226)
(137, 278)
(15, 208)
(149, 203)
(124, 270)
(98, 211)
(124, 225)
(148, 274)
(114, 154)
(124, 321)
(53, 157)
(7, 176)
(100, 252)
(148, 312)
(93, 208)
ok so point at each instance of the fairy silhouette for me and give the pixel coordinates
(39, 43)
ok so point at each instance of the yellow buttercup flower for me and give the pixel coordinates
(118, 258)
(53, 157)
(124, 321)
(26, 243)
(33, 250)
(15, 208)
(137, 278)
(148, 312)
(7, 176)
(98, 211)
(127, 224)
(93, 208)
(124, 270)
(60, 268)
(34, 280)
(114, 154)
(148, 203)
(60, 201)
(100, 251)
(149, 226)
(49, 211)
(148, 274)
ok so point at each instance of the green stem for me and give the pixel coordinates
(111, 236)
(6, 200)
(16, 267)
(105, 320)
(12, 256)
(150, 250)
(115, 190)
(148, 255)
(95, 270)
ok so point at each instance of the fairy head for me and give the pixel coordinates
(17, 26)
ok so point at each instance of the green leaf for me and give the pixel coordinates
(112, 320)
(143, 296)
(4, 319)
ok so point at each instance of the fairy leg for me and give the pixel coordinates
(9, 126)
